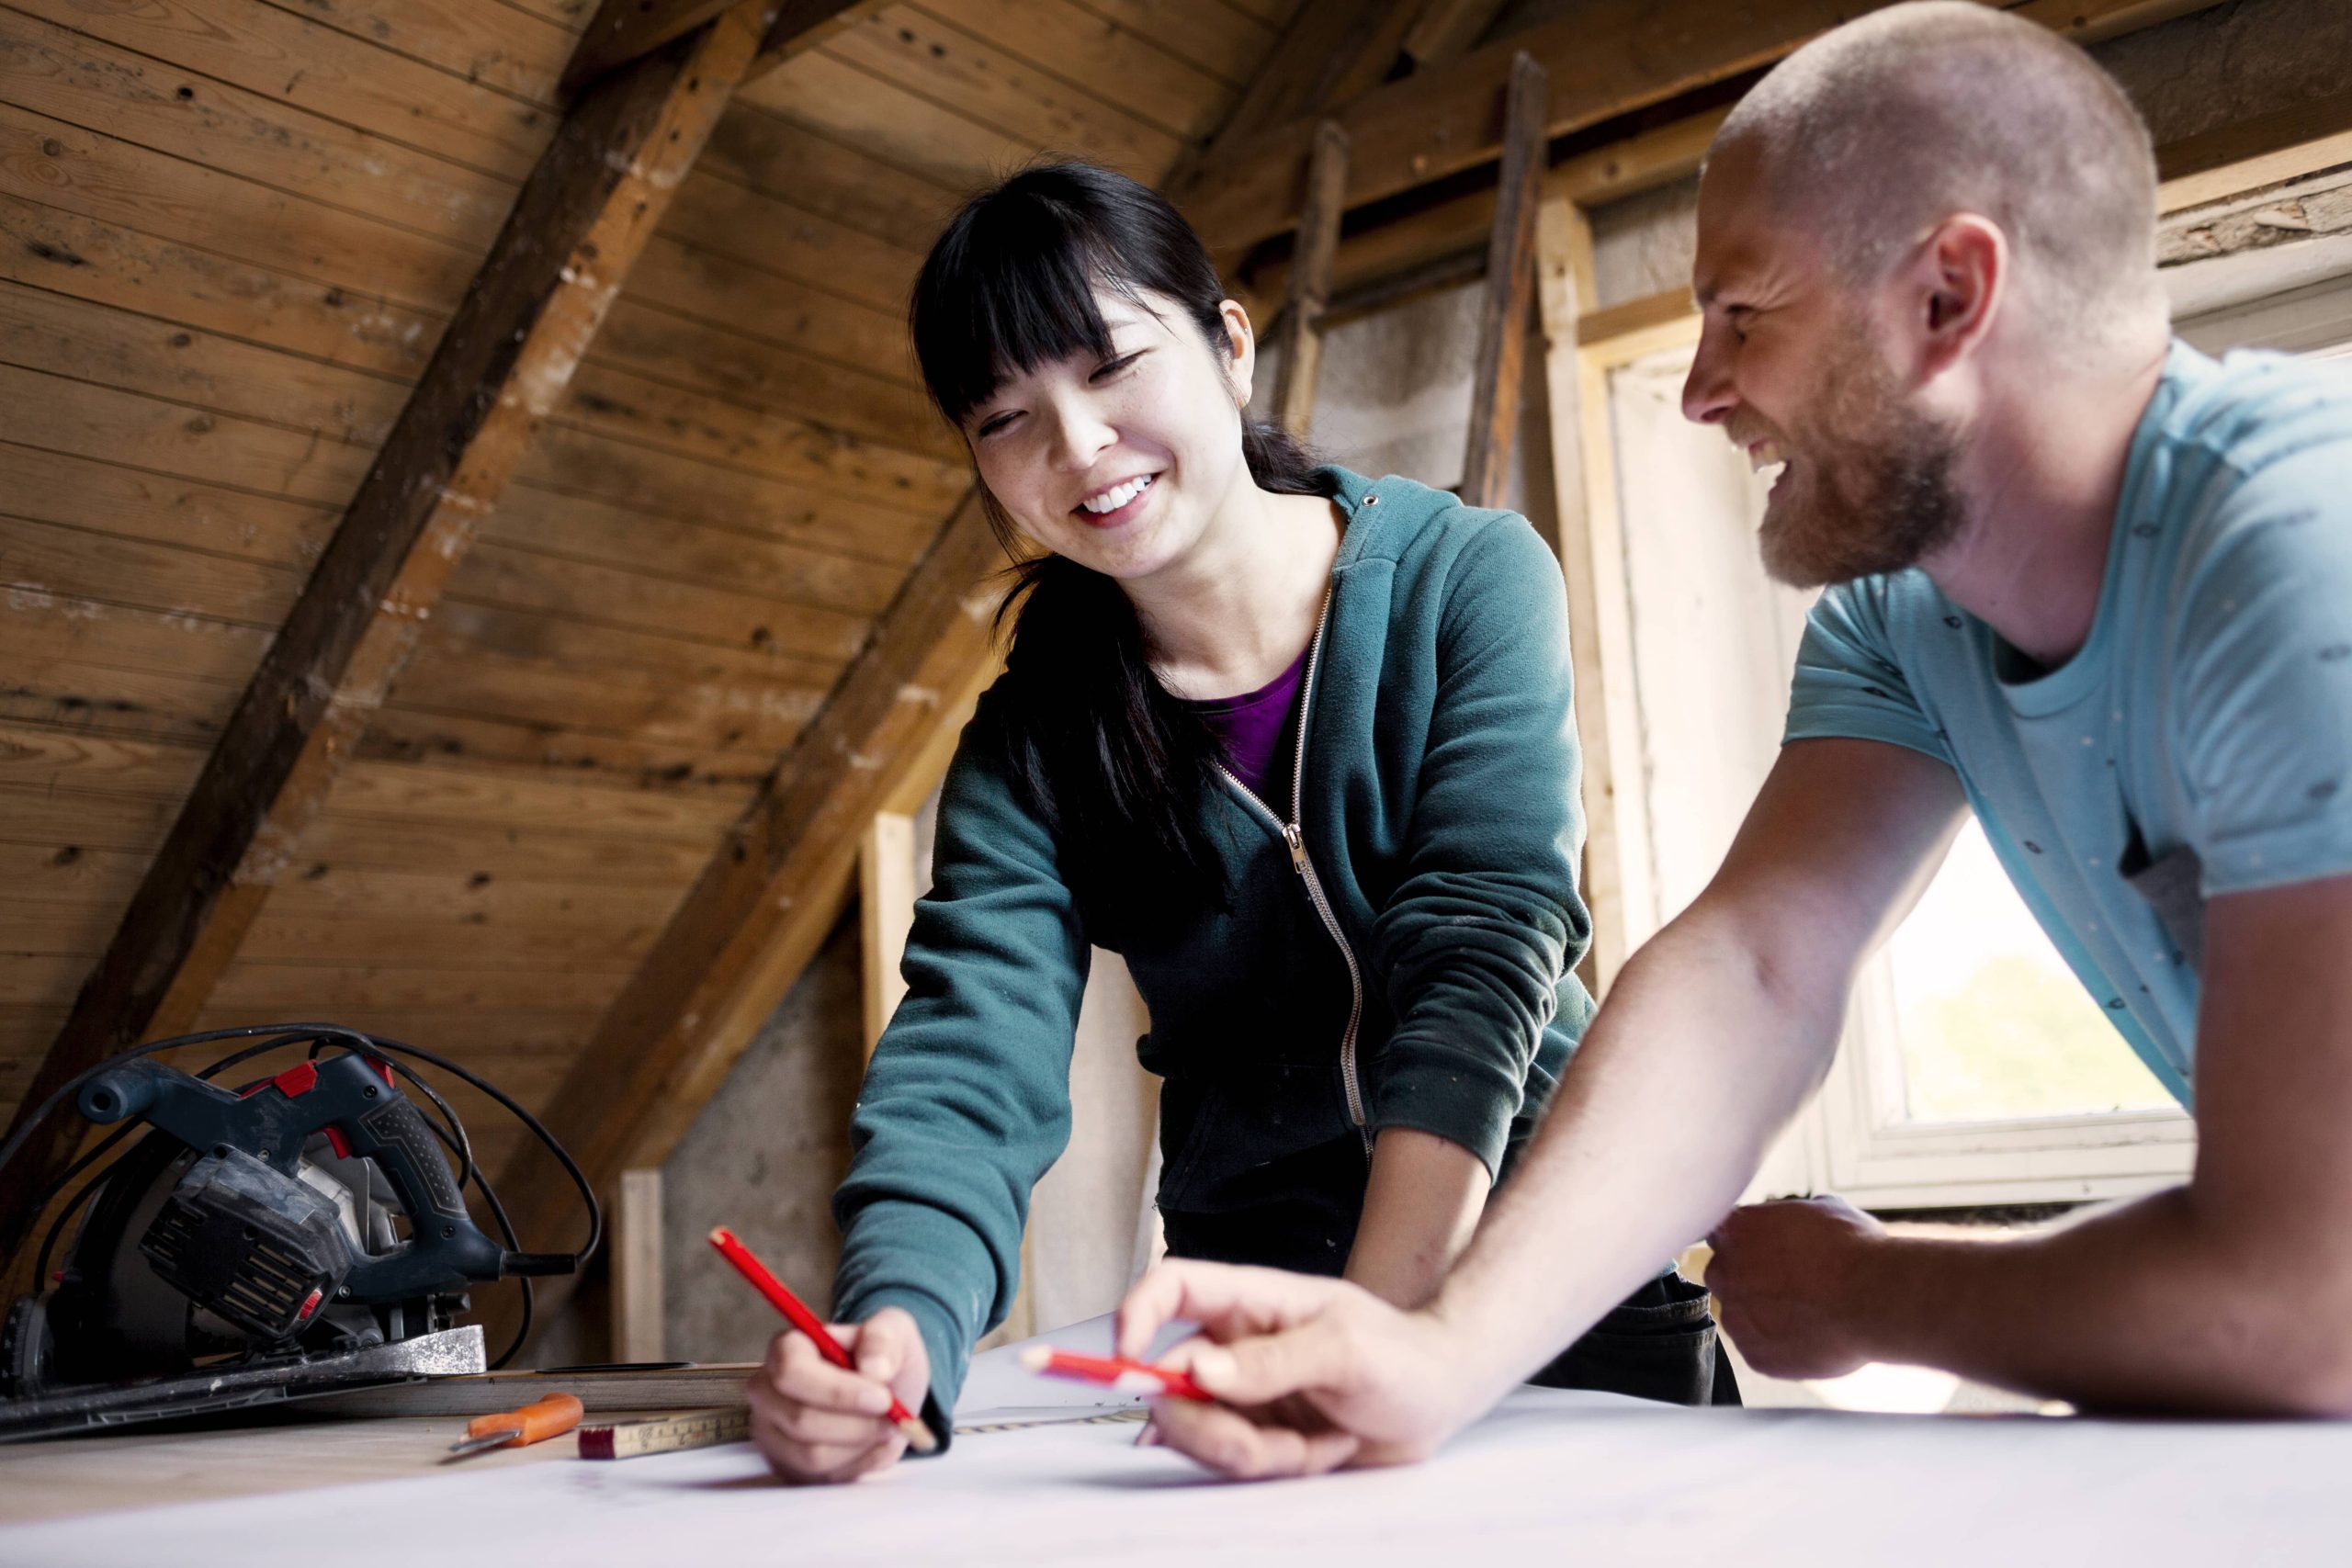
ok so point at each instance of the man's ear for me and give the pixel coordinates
(1240, 363)
(1957, 283)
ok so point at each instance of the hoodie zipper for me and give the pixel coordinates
(1294, 834)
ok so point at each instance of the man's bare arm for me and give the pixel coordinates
(1707, 1042)
(1710, 1041)
(2229, 1294)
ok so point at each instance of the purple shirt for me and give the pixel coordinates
(1254, 730)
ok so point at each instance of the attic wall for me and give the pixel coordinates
(230, 232)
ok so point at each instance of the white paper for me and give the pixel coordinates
(1549, 1477)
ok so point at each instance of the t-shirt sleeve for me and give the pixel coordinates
(1847, 683)
(2264, 679)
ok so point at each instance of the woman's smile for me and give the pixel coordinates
(1115, 505)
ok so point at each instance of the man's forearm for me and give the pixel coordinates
(2147, 1305)
(1696, 1060)
(1422, 1203)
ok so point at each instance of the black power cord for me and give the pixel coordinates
(320, 1036)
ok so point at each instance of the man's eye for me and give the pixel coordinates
(1112, 367)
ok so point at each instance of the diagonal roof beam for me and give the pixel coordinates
(1609, 58)
(509, 352)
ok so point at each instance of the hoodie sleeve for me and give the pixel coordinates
(1486, 917)
(967, 1102)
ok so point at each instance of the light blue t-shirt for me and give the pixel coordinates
(2199, 743)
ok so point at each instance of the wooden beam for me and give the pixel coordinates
(504, 360)
(625, 30)
(803, 25)
(1301, 333)
(1446, 28)
(638, 1302)
(1609, 58)
(769, 896)
(2251, 154)
(886, 913)
(1511, 283)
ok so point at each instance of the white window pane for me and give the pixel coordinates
(1992, 1025)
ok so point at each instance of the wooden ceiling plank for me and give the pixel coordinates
(825, 93)
(766, 898)
(284, 57)
(105, 497)
(105, 177)
(1227, 43)
(497, 745)
(105, 264)
(686, 352)
(1084, 50)
(89, 82)
(574, 230)
(200, 370)
(1610, 58)
(650, 478)
(500, 46)
(756, 148)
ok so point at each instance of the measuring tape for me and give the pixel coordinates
(664, 1434)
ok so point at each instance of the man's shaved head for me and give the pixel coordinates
(1870, 135)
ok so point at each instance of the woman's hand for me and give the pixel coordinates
(815, 1421)
(1311, 1373)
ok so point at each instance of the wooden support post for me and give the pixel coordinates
(886, 912)
(637, 1269)
(506, 359)
(1301, 337)
(1510, 284)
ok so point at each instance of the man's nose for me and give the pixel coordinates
(1707, 397)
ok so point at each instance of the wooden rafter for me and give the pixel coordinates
(1510, 284)
(506, 359)
(764, 903)
(1445, 28)
(1609, 58)
(1300, 335)
(624, 30)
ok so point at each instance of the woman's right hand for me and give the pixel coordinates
(816, 1422)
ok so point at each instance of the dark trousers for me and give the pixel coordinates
(1659, 1343)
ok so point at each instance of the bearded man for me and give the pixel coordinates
(2081, 581)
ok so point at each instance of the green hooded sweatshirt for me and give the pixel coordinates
(1397, 954)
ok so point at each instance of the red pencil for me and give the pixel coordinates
(918, 1435)
(1115, 1372)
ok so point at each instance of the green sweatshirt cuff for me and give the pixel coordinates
(910, 1255)
(1438, 1090)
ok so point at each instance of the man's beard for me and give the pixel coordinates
(1869, 486)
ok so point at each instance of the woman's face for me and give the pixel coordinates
(1121, 464)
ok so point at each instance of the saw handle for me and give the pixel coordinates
(550, 1417)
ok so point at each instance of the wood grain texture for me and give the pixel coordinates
(1510, 286)
(1608, 58)
(576, 227)
(767, 898)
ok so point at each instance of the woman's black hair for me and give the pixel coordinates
(1099, 749)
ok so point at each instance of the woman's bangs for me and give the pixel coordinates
(1018, 293)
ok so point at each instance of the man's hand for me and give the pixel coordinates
(1312, 1373)
(813, 1421)
(1787, 1278)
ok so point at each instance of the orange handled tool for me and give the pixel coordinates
(550, 1417)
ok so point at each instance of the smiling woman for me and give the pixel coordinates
(1297, 743)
